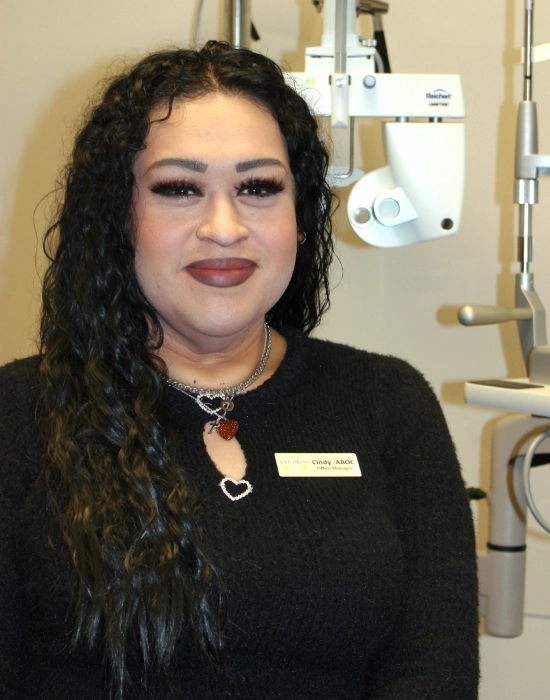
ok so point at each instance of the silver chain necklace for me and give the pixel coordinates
(225, 427)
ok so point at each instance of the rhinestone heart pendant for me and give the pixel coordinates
(246, 484)
(227, 429)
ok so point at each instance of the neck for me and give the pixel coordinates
(226, 366)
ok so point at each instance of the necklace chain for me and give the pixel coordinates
(227, 395)
(225, 428)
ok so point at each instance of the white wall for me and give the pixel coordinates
(399, 301)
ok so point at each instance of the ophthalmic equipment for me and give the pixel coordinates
(418, 195)
(517, 440)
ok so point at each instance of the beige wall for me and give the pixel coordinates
(395, 301)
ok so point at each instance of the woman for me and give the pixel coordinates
(151, 544)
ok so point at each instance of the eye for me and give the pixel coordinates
(260, 187)
(176, 189)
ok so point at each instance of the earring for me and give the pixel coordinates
(303, 238)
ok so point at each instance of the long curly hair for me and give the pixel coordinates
(128, 517)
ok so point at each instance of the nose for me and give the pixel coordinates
(222, 223)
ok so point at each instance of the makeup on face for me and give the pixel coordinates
(215, 218)
(222, 272)
(183, 188)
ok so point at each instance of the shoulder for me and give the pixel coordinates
(17, 371)
(384, 392)
(18, 389)
(384, 373)
(18, 435)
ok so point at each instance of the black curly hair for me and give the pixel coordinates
(129, 519)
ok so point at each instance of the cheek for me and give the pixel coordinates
(157, 239)
(145, 275)
(290, 236)
(153, 256)
(283, 254)
(287, 237)
(146, 254)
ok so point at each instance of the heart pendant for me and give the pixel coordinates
(243, 482)
(227, 429)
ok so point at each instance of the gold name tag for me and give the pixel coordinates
(317, 464)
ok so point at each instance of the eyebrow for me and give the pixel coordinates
(187, 163)
(200, 167)
(257, 163)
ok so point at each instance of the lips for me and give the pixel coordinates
(222, 272)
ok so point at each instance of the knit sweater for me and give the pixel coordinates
(338, 588)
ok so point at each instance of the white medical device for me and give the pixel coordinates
(516, 440)
(418, 195)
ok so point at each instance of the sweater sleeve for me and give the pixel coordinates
(17, 444)
(432, 652)
(10, 608)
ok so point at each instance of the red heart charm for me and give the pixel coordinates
(227, 429)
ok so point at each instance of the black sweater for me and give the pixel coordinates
(351, 588)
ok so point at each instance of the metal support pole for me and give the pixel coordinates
(527, 135)
(237, 23)
(528, 48)
(502, 567)
(525, 237)
(340, 36)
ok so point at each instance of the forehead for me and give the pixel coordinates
(214, 127)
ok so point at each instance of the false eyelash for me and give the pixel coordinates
(269, 185)
(175, 188)
(180, 188)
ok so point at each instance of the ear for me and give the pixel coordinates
(301, 237)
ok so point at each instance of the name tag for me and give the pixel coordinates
(317, 464)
